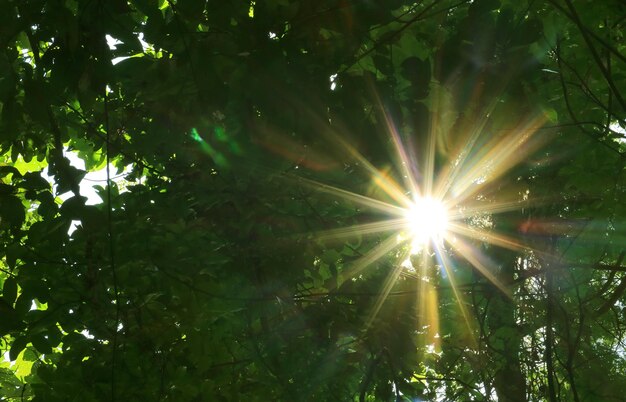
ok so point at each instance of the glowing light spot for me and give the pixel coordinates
(427, 219)
(217, 157)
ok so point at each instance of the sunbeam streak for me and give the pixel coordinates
(362, 200)
(488, 237)
(447, 266)
(491, 208)
(373, 255)
(474, 258)
(363, 229)
(389, 283)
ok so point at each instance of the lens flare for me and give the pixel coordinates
(427, 214)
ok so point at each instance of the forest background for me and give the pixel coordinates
(261, 163)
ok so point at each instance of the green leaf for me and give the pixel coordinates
(11, 321)
(7, 170)
(34, 181)
(9, 290)
(73, 208)
(41, 343)
(17, 346)
(11, 210)
(24, 303)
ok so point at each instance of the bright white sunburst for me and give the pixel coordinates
(427, 220)
(425, 226)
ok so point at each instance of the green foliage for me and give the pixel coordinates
(200, 274)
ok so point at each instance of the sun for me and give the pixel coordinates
(426, 220)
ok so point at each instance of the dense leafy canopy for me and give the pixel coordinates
(215, 265)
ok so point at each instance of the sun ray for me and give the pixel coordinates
(491, 208)
(363, 229)
(385, 183)
(499, 240)
(354, 197)
(489, 165)
(405, 162)
(467, 252)
(431, 146)
(373, 255)
(393, 189)
(389, 283)
(448, 175)
(427, 306)
(446, 264)
(500, 155)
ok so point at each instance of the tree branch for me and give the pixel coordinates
(619, 290)
(595, 55)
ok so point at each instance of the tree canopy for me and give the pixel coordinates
(208, 200)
